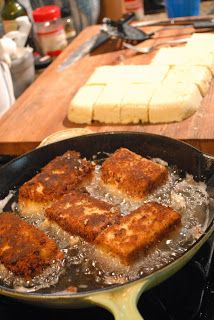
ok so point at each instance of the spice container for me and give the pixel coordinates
(49, 30)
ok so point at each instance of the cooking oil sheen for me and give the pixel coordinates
(82, 267)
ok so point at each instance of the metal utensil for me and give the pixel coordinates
(109, 29)
(196, 23)
(155, 46)
(88, 46)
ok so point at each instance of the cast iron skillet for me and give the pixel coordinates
(121, 300)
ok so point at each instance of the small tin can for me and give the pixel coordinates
(49, 30)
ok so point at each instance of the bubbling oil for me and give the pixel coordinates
(84, 269)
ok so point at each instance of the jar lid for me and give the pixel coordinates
(46, 13)
(42, 62)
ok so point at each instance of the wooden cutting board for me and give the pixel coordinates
(42, 109)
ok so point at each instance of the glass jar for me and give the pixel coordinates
(49, 30)
(67, 22)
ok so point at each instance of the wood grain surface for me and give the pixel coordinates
(42, 109)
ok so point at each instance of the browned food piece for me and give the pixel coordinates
(131, 174)
(71, 289)
(138, 231)
(24, 249)
(82, 215)
(59, 176)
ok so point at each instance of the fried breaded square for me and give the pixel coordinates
(59, 176)
(137, 232)
(131, 174)
(24, 249)
(82, 215)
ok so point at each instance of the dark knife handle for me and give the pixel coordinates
(115, 23)
(127, 17)
(203, 24)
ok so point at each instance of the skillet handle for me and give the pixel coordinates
(121, 302)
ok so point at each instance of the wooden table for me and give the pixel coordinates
(42, 108)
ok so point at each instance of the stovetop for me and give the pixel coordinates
(188, 295)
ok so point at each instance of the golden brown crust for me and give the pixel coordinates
(24, 249)
(132, 174)
(137, 231)
(82, 215)
(59, 176)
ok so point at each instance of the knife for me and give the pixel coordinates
(116, 29)
(95, 41)
(85, 48)
(176, 22)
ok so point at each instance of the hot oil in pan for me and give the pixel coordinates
(83, 271)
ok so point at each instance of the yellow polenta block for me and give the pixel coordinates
(174, 102)
(148, 74)
(107, 107)
(200, 57)
(81, 107)
(169, 56)
(185, 56)
(101, 76)
(199, 75)
(128, 73)
(201, 40)
(134, 105)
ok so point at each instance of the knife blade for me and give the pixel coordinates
(173, 22)
(85, 48)
(203, 24)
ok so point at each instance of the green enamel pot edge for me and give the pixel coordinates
(122, 300)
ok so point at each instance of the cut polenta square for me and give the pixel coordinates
(128, 73)
(134, 105)
(201, 40)
(200, 57)
(174, 102)
(169, 56)
(151, 74)
(185, 56)
(101, 76)
(107, 107)
(199, 75)
(81, 107)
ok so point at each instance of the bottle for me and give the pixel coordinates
(12, 9)
(135, 6)
(49, 30)
(27, 5)
(68, 24)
